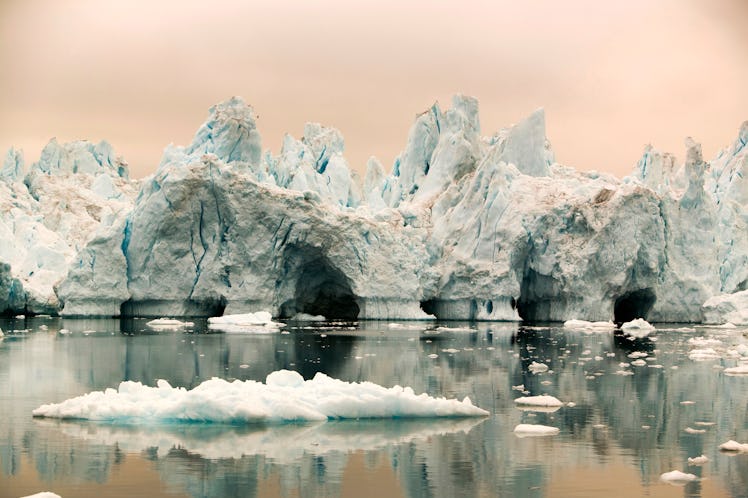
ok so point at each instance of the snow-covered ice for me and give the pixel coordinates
(285, 396)
(527, 430)
(260, 322)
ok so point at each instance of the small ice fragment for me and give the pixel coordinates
(260, 322)
(704, 424)
(691, 430)
(677, 477)
(43, 327)
(734, 447)
(520, 387)
(646, 427)
(699, 460)
(639, 363)
(571, 404)
(624, 372)
(306, 317)
(527, 430)
(543, 400)
(243, 365)
(739, 370)
(704, 342)
(546, 383)
(637, 328)
(64, 331)
(433, 355)
(688, 402)
(589, 327)
(536, 367)
(450, 350)
(168, 324)
(638, 354)
(43, 494)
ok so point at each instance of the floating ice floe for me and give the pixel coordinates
(699, 460)
(703, 342)
(691, 430)
(260, 322)
(169, 324)
(43, 494)
(285, 396)
(536, 367)
(637, 328)
(544, 400)
(677, 477)
(734, 447)
(739, 370)
(590, 327)
(527, 430)
(704, 354)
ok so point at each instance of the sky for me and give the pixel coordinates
(612, 76)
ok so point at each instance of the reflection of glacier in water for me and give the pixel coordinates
(633, 422)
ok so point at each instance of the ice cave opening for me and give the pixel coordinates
(632, 305)
(321, 288)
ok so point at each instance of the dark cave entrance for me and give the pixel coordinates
(537, 293)
(632, 305)
(321, 289)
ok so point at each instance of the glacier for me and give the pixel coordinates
(465, 226)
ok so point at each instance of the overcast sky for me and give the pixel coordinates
(612, 76)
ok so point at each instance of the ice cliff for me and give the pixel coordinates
(465, 226)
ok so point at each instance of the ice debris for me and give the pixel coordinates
(699, 460)
(285, 396)
(637, 328)
(543, 400)
(590, 327)
(734, 447)
(169, 324)
(527, 430)
(677, 477)
(739, 370)
(260, 322)
(537, 367)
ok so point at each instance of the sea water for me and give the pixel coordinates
(632, 410)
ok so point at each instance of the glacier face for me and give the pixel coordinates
(464, 227)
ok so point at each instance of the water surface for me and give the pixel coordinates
(621, 432)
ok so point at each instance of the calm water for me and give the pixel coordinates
(621, 434)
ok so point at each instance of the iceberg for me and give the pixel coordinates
(463, 226)
(726, 308)
(637, 328)
(284, 397)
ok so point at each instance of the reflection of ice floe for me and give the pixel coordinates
(677, 477)
(169, 324)
(285, 396)
(246, 323)
(281, 443)
(529, 430)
